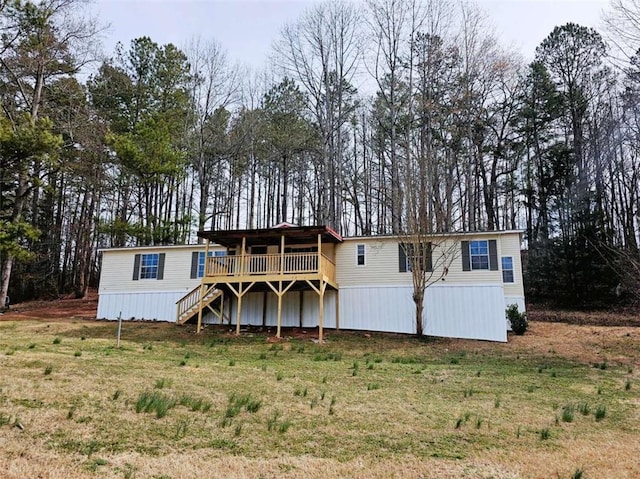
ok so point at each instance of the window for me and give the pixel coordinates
(407, 257)
(360, 255)
(479, 253)
(201, 260)
(507, 269)
(148, 266)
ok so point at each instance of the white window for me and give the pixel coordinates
(479, 254)
(507, 269)
(149, 266)
(360, 258)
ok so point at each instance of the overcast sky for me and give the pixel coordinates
(247, 28)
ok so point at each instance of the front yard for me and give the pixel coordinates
(556, 402)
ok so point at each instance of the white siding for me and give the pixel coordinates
(116, 273)
(153, 305)
(472, 311)
(381, 262)
(511, 247)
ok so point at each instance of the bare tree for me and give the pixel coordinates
(623, 24)
(321, 52)
(215, 85)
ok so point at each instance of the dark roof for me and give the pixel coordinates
(272, 236)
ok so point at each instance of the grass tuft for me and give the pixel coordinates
(544, 434)
(163, 383)
(567, 413)
(48, 370)
(57, 341)
(600, 413)
(151, 402)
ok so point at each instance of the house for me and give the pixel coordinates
(312, 277)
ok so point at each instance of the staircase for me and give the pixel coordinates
(189, 304)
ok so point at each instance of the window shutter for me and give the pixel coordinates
(466, 260)
(160, 266)
(493, 255)
(136, 267)
(429, 265)
(402, 259)
(195, 256)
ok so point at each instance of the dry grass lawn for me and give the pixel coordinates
(360, 406)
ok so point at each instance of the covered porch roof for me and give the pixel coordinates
(272, 236)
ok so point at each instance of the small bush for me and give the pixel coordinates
(627, 385)
(545, 434)
(48, 370)
(578, 474)
(373, 386)
(518, 320)
(601, 412)
(77, 354)
(57, 341)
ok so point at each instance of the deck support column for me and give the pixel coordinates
(279, 292)
(201, 304)
(279, 309)
(321, 290)
(239, 310)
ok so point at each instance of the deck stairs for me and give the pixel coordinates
(189, 305)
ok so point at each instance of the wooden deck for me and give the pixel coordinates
(252, 268)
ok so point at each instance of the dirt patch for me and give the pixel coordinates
(57, 309)
(621, 317)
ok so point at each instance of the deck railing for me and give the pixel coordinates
(269, 264)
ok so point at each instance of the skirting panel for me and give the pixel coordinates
(460, 311)
(299, 309)
(158, 306)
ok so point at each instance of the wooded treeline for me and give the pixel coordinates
(373, 114)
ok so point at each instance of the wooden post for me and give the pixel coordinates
(281, 255)
(244, 244)
(119, 329)
(322, 288)
(201, 300)
(319, 252)
(242, 272)
(280, 294)
(206, 259)
(239, 310)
